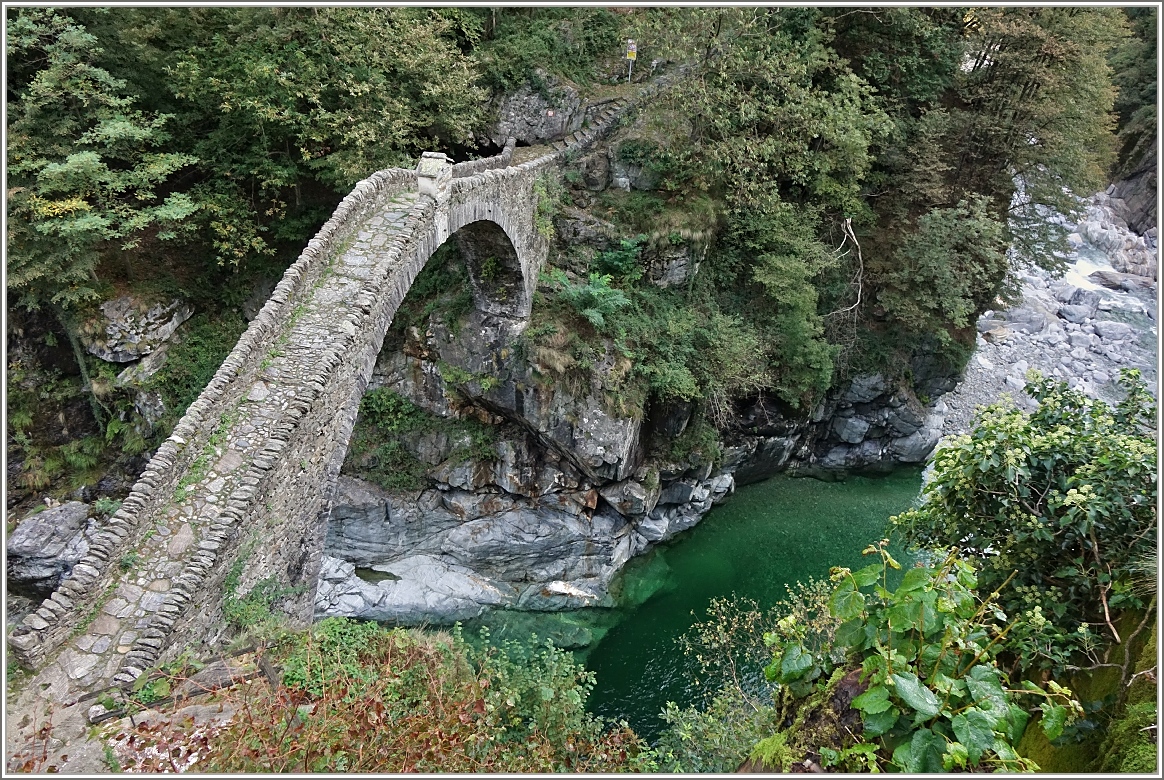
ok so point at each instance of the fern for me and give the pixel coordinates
(595, 299)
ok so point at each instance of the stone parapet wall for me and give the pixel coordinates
(473, 167)
(70, 606)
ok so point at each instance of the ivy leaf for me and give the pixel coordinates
(846, 602)
(1054, 719)
(984, 686)
(795, 662)
(956, 756)
(915, 579)
(868, 575)
(921, 754)
(943, 683)
(1003, 750)
(975, 730)
(851, 633)
(1016, 723)
(878, 723)
(874, 700)
(916, 695)
(903, 617)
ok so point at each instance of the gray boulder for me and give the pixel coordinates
(905, 419)
(595, 170)
(671, 266)
(129, 328)
(421, 589)
(1114, 331)
(769, 456)
(627, 176)
(630, 497)
(1076, 314)
(865, 388)
(533, 115)
(576, 227)
(1029, 317)
(44, 548)
(916, 447)
(850, 429)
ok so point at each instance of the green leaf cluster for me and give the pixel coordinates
(86, 167)
(1063, 499)
(382, 447)
(934, 699)
(595, 299)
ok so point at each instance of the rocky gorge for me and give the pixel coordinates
(576, 476)
(574, 489)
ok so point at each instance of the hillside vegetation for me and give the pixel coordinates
(859, 185)
(852, 172)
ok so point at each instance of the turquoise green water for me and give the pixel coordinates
(767, 535)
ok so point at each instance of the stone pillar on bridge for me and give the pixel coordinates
(433, 175)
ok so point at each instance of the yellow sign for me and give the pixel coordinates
(630, 50)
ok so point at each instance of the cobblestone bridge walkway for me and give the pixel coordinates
(238, 494)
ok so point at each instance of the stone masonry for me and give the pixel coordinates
(240, 492)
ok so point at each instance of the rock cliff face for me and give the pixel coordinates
(543, 520)
(577, 480)
(1134, 198)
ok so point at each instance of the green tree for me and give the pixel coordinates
(945, 272)
(1059, 503)
(287, 97)
(1134, 63)
(1033, 103)
(777, 244)
(84, 165)
(88, 173)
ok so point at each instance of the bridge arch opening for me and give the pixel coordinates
(495, 271)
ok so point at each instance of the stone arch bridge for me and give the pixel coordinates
(239, 493)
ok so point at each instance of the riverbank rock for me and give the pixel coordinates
(43, 548)
(129, 328)
(1104, 321)
(474, 549)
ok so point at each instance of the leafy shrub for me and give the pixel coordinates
(252, 612)
(379, 450)
(729, 649)
(549, 193)
(716, 739)
(622, 262)
(392, 412)
(1062, 499)
(637, 210)
(949, 270)
(934, 699)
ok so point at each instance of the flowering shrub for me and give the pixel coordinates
(1062, 500)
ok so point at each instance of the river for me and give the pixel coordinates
(765, 536)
